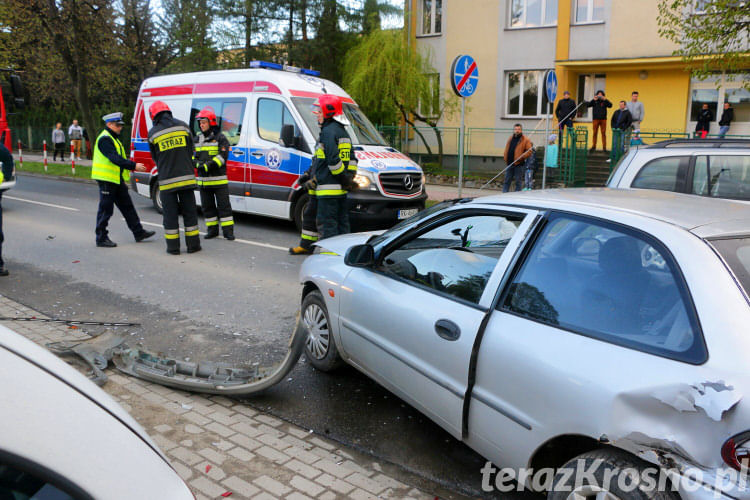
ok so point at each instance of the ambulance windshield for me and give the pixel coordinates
(360, 129)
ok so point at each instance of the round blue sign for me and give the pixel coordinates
(550, 85)
(464, 76)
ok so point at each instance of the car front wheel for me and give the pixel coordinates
(320, 348)
(155, 198)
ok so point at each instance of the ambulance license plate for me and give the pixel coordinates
(405, 214)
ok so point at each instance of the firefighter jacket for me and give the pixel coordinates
(171, 145)
(211, 153)
(333, 165)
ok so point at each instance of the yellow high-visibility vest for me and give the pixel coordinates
(104, 170)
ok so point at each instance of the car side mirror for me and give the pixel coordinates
(360, 256)
(287, 136)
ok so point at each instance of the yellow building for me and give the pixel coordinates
(609, 45)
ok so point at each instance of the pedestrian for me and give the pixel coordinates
(703, 124)
(6, 162)
(564, 111)
(726, 120)
(333, 167)
(58, 139)
(637, 111)
(550, 158)
(636, 139)
(171, 145)
(517, 149)
(87, 141)
(600, 103)
(529, 170)
(211, 153)
(75, 133)
(621, 122)
(309, 233)
(111, 170)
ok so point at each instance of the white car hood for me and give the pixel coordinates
(340, 244)
(379, 159)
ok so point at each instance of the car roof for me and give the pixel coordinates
(700, 144)
(715, 217)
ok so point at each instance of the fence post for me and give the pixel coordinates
(44, 148)
(31, 138)
(72, 159)
(20, 154)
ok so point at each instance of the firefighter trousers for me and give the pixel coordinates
(174, 203)
(332, 216)
(309, 225)
(217, 210)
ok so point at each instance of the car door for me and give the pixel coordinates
(410, 321)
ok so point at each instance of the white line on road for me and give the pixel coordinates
(246, 242)
(41, 203)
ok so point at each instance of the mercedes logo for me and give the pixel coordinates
(408, 181)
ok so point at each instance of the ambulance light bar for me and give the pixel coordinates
(283, 67)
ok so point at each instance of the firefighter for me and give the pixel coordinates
(111, 170)
(171, 145)
(333, 167)
(309, 227)
(211, 152)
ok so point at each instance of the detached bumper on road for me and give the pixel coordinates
(369, 209)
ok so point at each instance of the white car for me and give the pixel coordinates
(558, 329)
(62, 438)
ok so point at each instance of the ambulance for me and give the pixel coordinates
(266, 114)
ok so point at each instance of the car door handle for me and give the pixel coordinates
(447, 329)
(238, 152)
(257, 154)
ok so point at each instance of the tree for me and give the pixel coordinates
(187, 24)
(144, 49)
(715, 39)
(389, 79)
(372, 13)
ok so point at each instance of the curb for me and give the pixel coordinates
(57, 177)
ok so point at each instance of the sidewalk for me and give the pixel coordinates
(219, 445)
(38, 157)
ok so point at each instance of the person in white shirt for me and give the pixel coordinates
(637, 111)
(75, 132)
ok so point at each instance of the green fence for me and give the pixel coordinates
(574, 156)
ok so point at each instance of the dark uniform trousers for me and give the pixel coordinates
(332, 216)
(174, 202)
(2, 237)
(217, 208)
(111, 195)
(309, 226)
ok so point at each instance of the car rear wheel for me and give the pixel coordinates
(155, 198)
(614, 475)
(320, 348)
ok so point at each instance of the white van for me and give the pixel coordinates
(266, 114)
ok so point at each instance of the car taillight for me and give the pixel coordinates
(736, 451)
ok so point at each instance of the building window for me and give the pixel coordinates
(531, 13)
(525, 94)
(589, 11)
(431, 17)
(717, 89)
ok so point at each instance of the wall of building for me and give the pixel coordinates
(634, 31)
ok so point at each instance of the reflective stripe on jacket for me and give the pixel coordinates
(171, 145)
(102, 169)
(211, 153)
(332, 159)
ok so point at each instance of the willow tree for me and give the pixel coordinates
(390, 80)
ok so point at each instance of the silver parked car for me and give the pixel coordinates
(556, 328)
(714, 168)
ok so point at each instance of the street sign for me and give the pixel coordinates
(464, 76)
(550, 85)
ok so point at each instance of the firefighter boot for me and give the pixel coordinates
(211, 232)
(298, 250)
(229, 232)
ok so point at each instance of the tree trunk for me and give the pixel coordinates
(248, 31)
(439, 136)
(409, 122)
(290, 47)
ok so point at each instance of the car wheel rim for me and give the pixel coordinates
(591, 492)
(318, 337)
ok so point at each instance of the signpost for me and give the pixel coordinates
(550, 87)
(464, 80)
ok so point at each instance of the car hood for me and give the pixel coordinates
(379, 159)
(340, 244)
(47, 361)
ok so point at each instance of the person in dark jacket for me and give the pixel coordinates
(334, 167)
(703, 125)
(111, 170)
(211, 153)
(621, 121)
(565, 111)
(599, 120)
(726, 119)
(517, 150)
(7, 166)
(171, 145)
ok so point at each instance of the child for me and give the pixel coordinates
(529, 168)
(550, 160)
(636, 139)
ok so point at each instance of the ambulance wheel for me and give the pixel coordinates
(299, 209)
(320, 348)
(155, 198)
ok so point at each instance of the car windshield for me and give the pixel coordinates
(736, 252)
(624, 160)
(360, 129)
(411, 221)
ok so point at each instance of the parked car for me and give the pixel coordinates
(547, 327)
(63, 438)
(714, 168)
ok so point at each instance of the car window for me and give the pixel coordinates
(272, 115)
(665, 174)
(607, 282)
(736, 252)
(456, 258)
(16, 484)
(729, 177)
(229, 116)
(700, 176)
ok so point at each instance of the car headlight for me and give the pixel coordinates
(365, 180)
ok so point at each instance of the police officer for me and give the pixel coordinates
(171, 145)
(309, 227)
(333, 167)
(111, 170)
(211, 152)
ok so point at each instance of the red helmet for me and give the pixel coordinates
(330, 105)
(207, 113)
(156, 108)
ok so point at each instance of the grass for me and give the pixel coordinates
(59, 169)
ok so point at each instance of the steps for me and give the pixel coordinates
(597, 169)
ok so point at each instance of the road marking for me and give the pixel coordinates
(41, 203)
(246, 242)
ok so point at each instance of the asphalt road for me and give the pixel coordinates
(234, 301)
